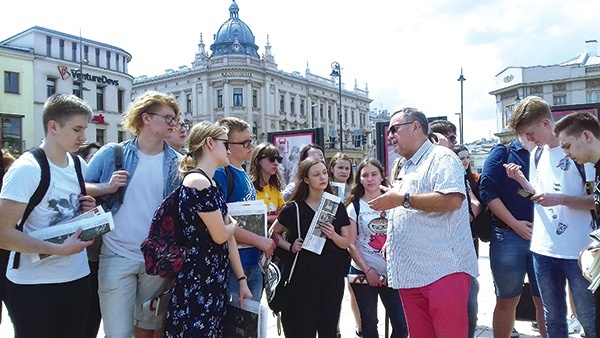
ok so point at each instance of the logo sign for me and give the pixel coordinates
(508, 78)
(65, 74)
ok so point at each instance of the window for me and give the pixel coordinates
(73, 51)
(97, 57)
(48, 46)
(281, 104)
(188, 103)
(255, 98)
(302, 112)
(86, 53)
(238, 97)
(76, 89)
(292, 106)
(120, 136)
(120, 100)
(592, 96)
(11, 134)
(559, 100)
(220, 98)
(50, 86)
(61, 48)
(100, 98)
(100, 133)
(117, 62)
(108, 59)
(11, 82)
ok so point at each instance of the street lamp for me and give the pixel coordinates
(461, 117)
(336, 71)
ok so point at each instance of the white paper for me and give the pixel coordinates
(315, 238)
(251, 216)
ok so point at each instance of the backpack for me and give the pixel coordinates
(165, 247)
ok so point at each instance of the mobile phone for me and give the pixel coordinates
(525, 193)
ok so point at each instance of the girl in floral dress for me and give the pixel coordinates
(197, 306)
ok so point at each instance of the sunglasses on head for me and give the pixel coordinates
(273, 158)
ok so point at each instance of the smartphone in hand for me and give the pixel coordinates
(525, 193)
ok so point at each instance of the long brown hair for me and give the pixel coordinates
(358, 190)
(301, 191)
(262, 150)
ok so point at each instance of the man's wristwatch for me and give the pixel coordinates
(406, 202)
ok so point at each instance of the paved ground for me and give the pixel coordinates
(347, 325)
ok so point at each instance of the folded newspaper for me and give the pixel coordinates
(315, 238)
(247, 321)
(339, 189)
(594, 266)
(251, 216)
(94, 223)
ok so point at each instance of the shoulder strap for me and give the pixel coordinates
(538, 154)
(40, 156)
(296, 257)
(356, 203)
(77, 164)
(229, 182)
(118, 156)
(588, 190)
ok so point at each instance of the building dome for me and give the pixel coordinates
(234, 37)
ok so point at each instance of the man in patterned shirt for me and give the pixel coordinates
(579, 136)
(430, 251)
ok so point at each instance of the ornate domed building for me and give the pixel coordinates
(234, 80)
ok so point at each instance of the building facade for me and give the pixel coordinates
(574, 83)
(39, 62)
(233, 80)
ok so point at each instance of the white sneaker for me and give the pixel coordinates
(574, 325)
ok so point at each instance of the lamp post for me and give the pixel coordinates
(336, 71)
(461, 117)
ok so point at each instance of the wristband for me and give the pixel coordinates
(242, 278)
(291, 247)
(368, 270)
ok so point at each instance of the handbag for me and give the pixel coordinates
(278, 277)
(526, 308)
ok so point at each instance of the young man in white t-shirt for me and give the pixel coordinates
(48, 298)
(149, 173)
(562, 218)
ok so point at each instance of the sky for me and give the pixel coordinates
(407, 53)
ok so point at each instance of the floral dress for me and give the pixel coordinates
(197, 306)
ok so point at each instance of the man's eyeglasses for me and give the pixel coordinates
(183, 126)
(246, 144)
(225, 142)
(394, 127)
(273, 158)
(170, 120)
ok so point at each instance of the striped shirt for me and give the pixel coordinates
(425, 246)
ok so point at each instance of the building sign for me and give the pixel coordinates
(245, 74)
(76, 73)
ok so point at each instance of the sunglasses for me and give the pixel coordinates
(273, 158)
(225, 142)
(246, 144)
(451, 138)
(394, 127)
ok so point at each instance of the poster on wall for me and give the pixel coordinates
(289, 144)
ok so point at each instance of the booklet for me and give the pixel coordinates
(315, 238)
(94, 223)
(247, 321)
(251, 216)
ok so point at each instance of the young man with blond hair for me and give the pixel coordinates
(48, 298)
(132, 194)
(561, 219)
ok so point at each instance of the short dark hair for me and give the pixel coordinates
(413, 114)
(575, 124)
(61, 107)
(443, 127)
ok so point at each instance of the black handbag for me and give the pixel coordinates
(278, 277)
(526, 308)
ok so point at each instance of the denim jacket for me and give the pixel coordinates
(102, 166)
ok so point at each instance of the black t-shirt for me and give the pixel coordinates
(597, 192)
(287, 217)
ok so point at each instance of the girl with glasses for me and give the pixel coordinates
(264, 173)
(208, 231)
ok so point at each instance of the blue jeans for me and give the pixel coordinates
(255, 282)
(472, 306)
(510, 260)
(552, 274)
(366, 298)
